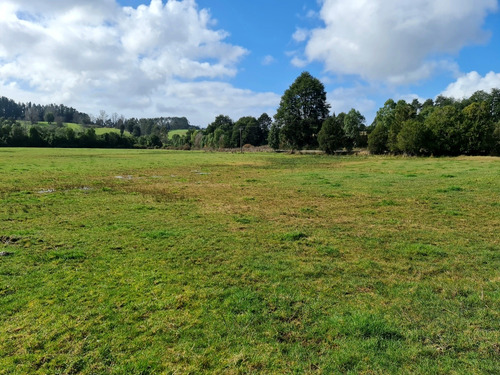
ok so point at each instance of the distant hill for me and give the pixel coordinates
(77, 127)
(36, 114)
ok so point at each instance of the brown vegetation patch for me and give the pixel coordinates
(9, 240)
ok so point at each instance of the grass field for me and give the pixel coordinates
(148, 262)
(100, 131)
(77, 127)
(180, 132)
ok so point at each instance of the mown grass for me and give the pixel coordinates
(146, 261)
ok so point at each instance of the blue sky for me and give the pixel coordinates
(201, 58)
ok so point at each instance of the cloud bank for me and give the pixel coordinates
(157, 59)
(396, 42)
(468, 84)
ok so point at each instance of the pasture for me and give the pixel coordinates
(75, 127)
(151, 261)
(180, 132)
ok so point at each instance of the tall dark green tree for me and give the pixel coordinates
(49, 117)
(273, 138)
(413, 137)
(265, 123)
(443, 125)
(221, 121)
(220, 132)
(494, 102)
(353, 122)
(332, 135)
(35, 139)
(477, 129)
(377, 140)
(496, 140)
(250, 132)
(402, 112)
(302, 110)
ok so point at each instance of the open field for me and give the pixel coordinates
(77, 127)
(146, 261)
(100, 131)
(180, 132)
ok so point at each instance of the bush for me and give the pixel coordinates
(331, 136)
(377, 140)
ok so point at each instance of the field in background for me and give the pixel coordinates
(180, 132)
(146, 261)
(77, 127)
(100, 131)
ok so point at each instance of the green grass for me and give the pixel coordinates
(152, 262)
(180, 132)
(75, 127)
(78, 127)
(100, 131)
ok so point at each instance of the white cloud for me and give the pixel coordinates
(298, 62)
(268, 60)
(344, 99)
(208, 99)
(394, 41)
(300, 35)
(312, 14)
(469, 83)
(94, 54)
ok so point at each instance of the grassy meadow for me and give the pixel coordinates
(180, 132)
(152, 262)
(77, 127)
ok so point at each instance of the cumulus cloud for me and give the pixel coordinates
(344, 99)
(468, 84)
(207, 99)
(394, 41)
(96, 54)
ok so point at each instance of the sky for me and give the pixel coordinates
(202, 58)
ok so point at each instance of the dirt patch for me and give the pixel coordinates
(9, 240)
(47, 191)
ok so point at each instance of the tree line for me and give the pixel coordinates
(443, 126)
(59, 114)
(33, 113)
(13, 134)
(133, 132)
(223, 132)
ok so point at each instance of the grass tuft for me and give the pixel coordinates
(293, 236)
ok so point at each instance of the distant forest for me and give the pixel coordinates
(439, 127)
(444, 126)
(33, 125)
